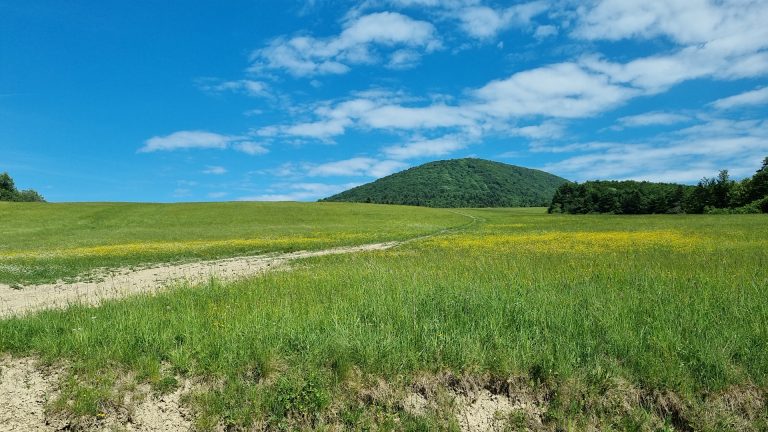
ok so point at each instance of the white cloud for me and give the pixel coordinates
(474, 18)
(358, 43)
(251, 148)
(404, 59)
(321, 129)
(200, 140)
(429, 117)
(360, 166)
(187, 140)
(245, 86)
(655, 74)
(563, 90)
(377, 111)
(545, 31)
(750, 98)
(721, 40)
(215, 170)
(483, 22)
(299, 192)
(426, 147)
(386, 167)
(683, 20)
(560, 90)
(545, 130)
(724, 40)
(217, 195)
(652, 118)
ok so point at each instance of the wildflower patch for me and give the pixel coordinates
(573, 242)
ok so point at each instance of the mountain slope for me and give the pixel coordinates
(459, 183)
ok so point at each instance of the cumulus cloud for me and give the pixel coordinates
(684, 21)
(721, 40)
(716, 40)
(563, 90)
(750, 98)
(183, 140)
(484, 22)
(361, 42)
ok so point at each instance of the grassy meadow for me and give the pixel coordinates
(46, 242)
(604, 322)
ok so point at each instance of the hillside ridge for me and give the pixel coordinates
(467, 182)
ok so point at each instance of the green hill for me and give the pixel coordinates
(459, 183)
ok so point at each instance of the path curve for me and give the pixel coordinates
(123, 282)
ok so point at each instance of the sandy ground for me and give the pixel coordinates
(24, 392)
(26, 388)
(124, 282)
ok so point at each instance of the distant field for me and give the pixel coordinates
(594, 322)
(45, 242)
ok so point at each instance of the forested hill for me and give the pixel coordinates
(459, 183)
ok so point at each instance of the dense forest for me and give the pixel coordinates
(466, 182)
(8, 191)
(710, 195)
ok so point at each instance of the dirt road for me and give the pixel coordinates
(124, 282)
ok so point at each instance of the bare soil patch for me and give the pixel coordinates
(25, 388)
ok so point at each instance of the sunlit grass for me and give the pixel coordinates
(667, 303)
(45, 242)
(571, 242)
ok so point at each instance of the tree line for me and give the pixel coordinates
(8, 191)
(720, 194)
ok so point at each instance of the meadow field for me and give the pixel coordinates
(44, 242)
(536, 321)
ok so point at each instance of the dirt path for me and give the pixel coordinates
(124, 282)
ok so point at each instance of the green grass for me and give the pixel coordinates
(43, 242)
(576, 305)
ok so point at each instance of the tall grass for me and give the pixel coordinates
(659, 310)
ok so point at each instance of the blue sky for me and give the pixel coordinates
(296, 100)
